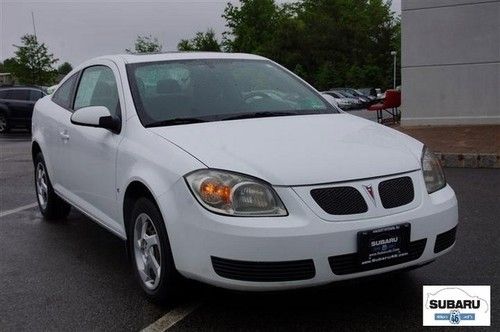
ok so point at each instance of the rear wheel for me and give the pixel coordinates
(150, 248)
(4, 124)
(51, 206)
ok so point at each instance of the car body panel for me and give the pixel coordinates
(342, 144)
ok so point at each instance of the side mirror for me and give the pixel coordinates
(96, 116)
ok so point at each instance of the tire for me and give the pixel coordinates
(4, 124)
(50, 204)
(151, 253)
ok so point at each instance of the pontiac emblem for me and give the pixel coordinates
(369, 190)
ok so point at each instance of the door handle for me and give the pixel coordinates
(64, 135)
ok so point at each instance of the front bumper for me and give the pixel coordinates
(197, 236)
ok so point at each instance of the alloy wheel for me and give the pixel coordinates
(147, 251)
(42, 188)
(3, 123)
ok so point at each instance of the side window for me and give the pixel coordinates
(3, 94)
(62, 96)
(98, 88)
(35, 95)
(19, 94)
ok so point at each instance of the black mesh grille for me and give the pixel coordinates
(264, 271)
(396, 192)
(445, 240)
(347, 264)
(340, 200)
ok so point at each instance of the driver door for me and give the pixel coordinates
(92, 151)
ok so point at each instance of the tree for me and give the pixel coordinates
(32, 63)
(251, 25)
(9, 64)
(64, 68)
(201, 42)
(146, 44)
(328, 42)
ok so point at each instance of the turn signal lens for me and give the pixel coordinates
(234, 194)
(214, 192)
(433, 172)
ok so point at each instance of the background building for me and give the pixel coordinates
(451, 62)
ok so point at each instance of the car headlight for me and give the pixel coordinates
(433, 172)
(234, 194)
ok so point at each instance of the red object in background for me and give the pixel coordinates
(390, 105)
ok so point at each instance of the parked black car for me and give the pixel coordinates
(16, 106)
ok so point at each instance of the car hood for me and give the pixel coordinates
(299, 150)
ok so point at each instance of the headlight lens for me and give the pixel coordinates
(234, 194)
(433, 172)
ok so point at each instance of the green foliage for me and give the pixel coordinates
(330, 43)
(146, 44)
(64, 68)
(206, 42)
(32, 63)
(251, 25)
(9, 64)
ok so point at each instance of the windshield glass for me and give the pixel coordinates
(218, 89)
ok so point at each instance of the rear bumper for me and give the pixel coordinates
(299, 250)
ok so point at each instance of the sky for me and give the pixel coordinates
(77, 30)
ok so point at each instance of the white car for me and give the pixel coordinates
(342, 101)
(207, 175)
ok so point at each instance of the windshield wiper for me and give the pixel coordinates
(258, 115)
(176, 121)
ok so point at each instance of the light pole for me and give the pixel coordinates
(394, 54)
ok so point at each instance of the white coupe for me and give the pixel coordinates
(231, 170)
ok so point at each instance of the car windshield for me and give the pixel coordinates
(192, 91)
(347, 94)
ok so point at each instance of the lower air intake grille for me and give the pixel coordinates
(396, 192)
(347, 264)
(264, 271)
(445, 240)
(340, 200)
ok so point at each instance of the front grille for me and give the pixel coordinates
(340, 200)
(396, 192)
(264, 271)
(445, 240)
(347, 264)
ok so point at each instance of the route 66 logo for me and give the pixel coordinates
(455, 317)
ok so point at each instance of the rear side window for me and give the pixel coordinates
(35, 95)
(63, 94)
(3, 94)
(19, 94)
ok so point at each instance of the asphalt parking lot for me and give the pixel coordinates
(74, 275)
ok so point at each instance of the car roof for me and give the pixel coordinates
(332, 91)
(152, 57)
(24, 87)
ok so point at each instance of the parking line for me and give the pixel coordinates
(18, 209)
(171, 318)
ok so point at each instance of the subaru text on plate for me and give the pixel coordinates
(231, 170)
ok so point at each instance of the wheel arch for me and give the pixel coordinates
(4, 109)
(35, 149)
(135, 190)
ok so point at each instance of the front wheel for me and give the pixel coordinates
(51, 206)
(151, 254)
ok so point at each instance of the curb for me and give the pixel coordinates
(469, 160)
